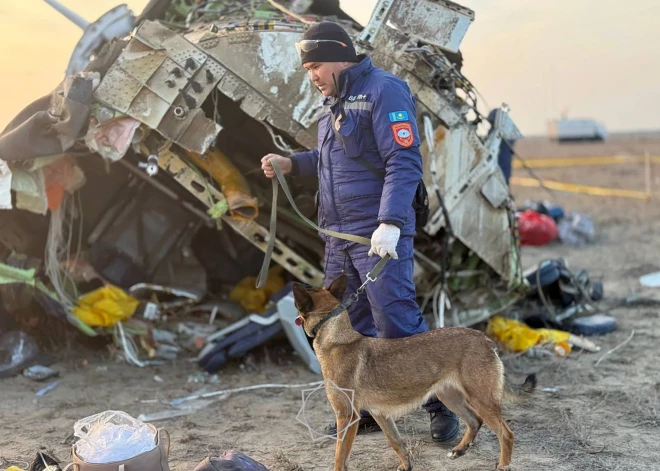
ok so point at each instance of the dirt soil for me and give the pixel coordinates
(604, 417)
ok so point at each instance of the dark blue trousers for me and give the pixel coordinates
(388, 307)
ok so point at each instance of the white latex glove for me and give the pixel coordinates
(384, 240)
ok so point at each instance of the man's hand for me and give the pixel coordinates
(384, 240)
(285, 164)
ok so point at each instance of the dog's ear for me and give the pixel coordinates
(302, 299)
(338, 286)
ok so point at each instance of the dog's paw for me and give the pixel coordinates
(504, 468)
(455, 454)
(403, 467)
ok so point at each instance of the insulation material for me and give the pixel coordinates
(112, 138)
(60, 177)
(30, 188)
(242, 205)
(43, 187)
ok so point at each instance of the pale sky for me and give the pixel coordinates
(592, 58)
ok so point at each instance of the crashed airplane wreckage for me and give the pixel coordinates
(192, 100)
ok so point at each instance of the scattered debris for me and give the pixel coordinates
(597, 324)
(576, 229)
(44, 462)
(16, 350)
(10, 276)
(515, 336)
(163, 165)
(546, 207)
(164, 415)
(47, 389)
(182, 297)
(105, 307)
(186, 408)
(203, 378)
(536, 229)
(13, 465)
(231, 460)
(40, 373)
(651, 280)
(561, 294)
(622, 344)
(181, 400)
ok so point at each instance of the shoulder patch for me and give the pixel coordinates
(403, 134)
(397, 116)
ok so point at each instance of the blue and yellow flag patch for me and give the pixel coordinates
(397, 116)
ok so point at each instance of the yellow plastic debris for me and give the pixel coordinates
(562, 349)
(105, 306)
(519, 337)
(254, 299)
(14, 468)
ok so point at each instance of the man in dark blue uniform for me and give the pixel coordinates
(369, 165)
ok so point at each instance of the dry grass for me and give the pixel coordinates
(189, 437)
(577, 431)
(284, 463)
(416, 449)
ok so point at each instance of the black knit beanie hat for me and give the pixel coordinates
(328, 51)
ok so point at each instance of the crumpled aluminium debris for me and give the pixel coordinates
(162, 80)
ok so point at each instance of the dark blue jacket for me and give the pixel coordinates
(379, 126)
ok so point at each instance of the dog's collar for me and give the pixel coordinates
(334, 313)
(371, 276)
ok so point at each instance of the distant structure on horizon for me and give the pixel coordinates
(571, 130)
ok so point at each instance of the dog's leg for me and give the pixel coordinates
(505, 437)
(455, 401)
(491, 412)
(394, 439)
(345, 437)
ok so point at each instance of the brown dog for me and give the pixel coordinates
(391, 377)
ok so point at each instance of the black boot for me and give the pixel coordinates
(367, 424)
(444, 424)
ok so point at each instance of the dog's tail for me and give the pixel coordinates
(514, 393)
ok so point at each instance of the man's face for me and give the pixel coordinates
(320, 73)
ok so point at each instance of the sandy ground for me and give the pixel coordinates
(604, 417)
